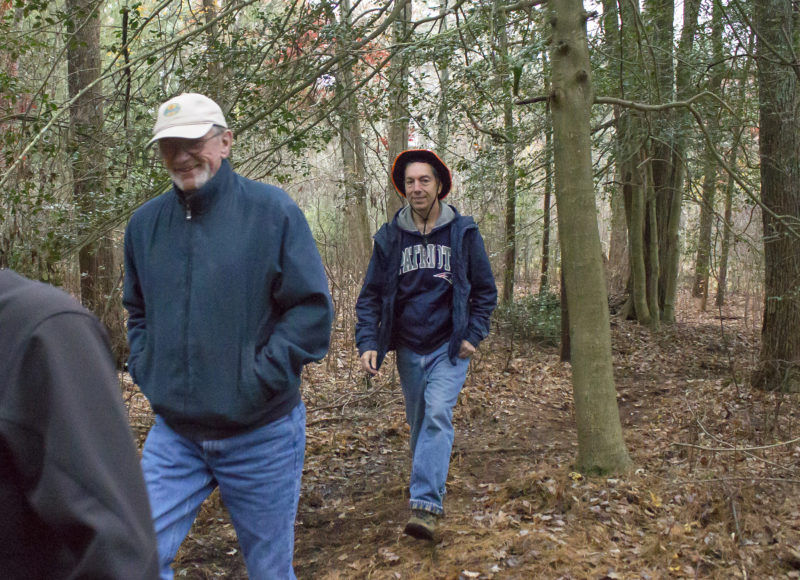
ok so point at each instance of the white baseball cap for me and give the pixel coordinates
(187, 116)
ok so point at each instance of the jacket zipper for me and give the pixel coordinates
(187, 313)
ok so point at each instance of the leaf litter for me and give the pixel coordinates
(713, 492)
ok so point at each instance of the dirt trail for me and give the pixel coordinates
(515, 507)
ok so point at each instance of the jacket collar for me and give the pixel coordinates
(201, 199)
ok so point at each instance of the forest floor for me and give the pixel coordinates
(713, 492)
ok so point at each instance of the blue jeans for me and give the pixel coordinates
(431, 384)
(258, 474)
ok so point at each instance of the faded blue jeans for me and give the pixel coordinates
(258, 474)
(431, 384)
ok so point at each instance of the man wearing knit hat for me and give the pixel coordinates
(429, 293)
(227, 300)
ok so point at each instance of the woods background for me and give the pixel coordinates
(638, 158)
(691, 110)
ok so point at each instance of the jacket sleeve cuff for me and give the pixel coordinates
(473, 338)
(362, 348)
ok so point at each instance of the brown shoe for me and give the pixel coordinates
(421, 525)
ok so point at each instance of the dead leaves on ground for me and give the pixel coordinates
(711, 494)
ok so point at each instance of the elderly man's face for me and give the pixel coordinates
(191, 163)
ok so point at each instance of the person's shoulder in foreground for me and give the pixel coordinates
(72, 497)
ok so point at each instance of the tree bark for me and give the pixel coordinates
(443, 69)
(709, 187)
(98, 275)
(216, 70)
(505, 86)
(779, 148)
(398, 104)
(669, 142)
(631, 137)
(358, 241)
(601, 447)
(618, 261)
(727, 233)
(652, 261)
(636, 195)
(544, 271)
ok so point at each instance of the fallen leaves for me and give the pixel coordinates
(516, 509)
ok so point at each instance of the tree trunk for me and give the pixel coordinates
(634, 189)
(703, 259)
(358, 241)
(544, 279)
(505, 86)
(631, 137)
(443, 69)
(727, 233)
(669, 141)
(779, 148)
(398, 104)
(216, 70)
(652, 261)
(601, 447)
(618, 264)
(659, 17)
(98, 274)
(564, 346)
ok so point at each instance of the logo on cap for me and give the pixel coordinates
(172, 110)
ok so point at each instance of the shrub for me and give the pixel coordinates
(534, 317)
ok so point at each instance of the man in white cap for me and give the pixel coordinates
(227, 300)
(428, 293)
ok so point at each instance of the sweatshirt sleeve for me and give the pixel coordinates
(368, 306)
(88, 487)
(483, 293)
(302, 331)
(133, 301)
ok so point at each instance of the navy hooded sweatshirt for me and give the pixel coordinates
(473, 298)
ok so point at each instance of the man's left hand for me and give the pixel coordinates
(466, 350)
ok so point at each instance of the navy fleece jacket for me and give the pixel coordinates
(227, 300)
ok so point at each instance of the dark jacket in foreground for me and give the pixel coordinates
(227, 300)
(474, 290)
(72, 497)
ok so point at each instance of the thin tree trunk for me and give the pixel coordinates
(703, 257)
(601, 447)
(669, 143)
(216, 70)
(544, 279)
(727, 231)
(618, 263)
(564, 346)
(653, 264)
(443, 68)
(631, 136)
(635, 193)
(398, 104)
(359, 242)
(709, 187)
(505, 86)
(98, 274)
